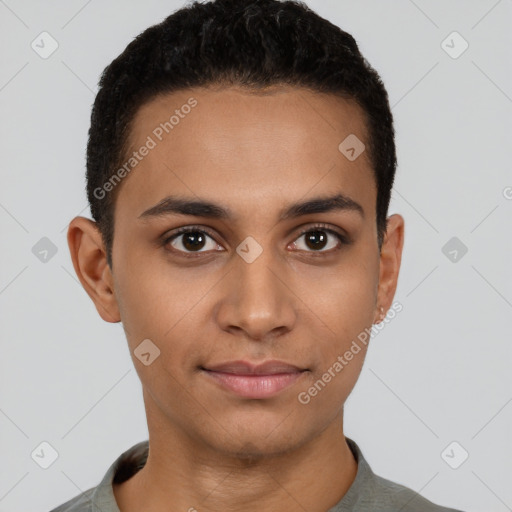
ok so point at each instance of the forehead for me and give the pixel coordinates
(245, 147)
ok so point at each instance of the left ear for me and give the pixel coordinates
(390, 259)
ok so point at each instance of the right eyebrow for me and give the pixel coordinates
(182, 206)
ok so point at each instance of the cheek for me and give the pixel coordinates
(149, 294)
(341, 305)
(340, 341)
(323, 397)
(160, 303)
(341, 298)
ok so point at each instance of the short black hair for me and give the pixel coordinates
(248, 43)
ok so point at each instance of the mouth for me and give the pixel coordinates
(248, 380)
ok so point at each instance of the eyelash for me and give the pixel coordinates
(199, 229)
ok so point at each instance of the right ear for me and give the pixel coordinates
(90, 262)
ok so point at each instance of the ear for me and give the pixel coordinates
(90, 262)
(390, 259)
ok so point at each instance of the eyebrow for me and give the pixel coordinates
(173, 205)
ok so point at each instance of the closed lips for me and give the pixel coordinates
(247, 368)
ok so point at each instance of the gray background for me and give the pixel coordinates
(438, 373)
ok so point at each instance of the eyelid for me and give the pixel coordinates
(190, 228)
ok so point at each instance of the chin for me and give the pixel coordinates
(252, 443)
(256, 449)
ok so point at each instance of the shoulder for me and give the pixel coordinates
(371, 492)
(102, 496)
(392, 495)
(80, 503)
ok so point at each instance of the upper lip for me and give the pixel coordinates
(272, 367)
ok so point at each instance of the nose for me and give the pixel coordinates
(257, 302)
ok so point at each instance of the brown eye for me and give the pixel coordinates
(190, 239)
(317, 238)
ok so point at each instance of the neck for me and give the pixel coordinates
(181, 474)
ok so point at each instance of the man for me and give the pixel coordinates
(239, 169)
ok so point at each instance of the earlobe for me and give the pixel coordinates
(390, 260)
(89, 258)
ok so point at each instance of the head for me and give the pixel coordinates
(252, 44)
(247, 106)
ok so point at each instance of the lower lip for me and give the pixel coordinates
(255, 386)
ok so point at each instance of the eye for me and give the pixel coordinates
(191, 239)
(194, 239)
(316, 238)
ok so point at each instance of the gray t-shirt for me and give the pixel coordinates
(368, 492)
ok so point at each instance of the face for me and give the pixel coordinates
(253, 279)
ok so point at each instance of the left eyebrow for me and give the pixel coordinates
(339, 202)
(173, 205)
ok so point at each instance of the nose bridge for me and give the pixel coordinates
(258, 281)
(258, 302)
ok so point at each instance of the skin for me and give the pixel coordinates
(254, 154)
